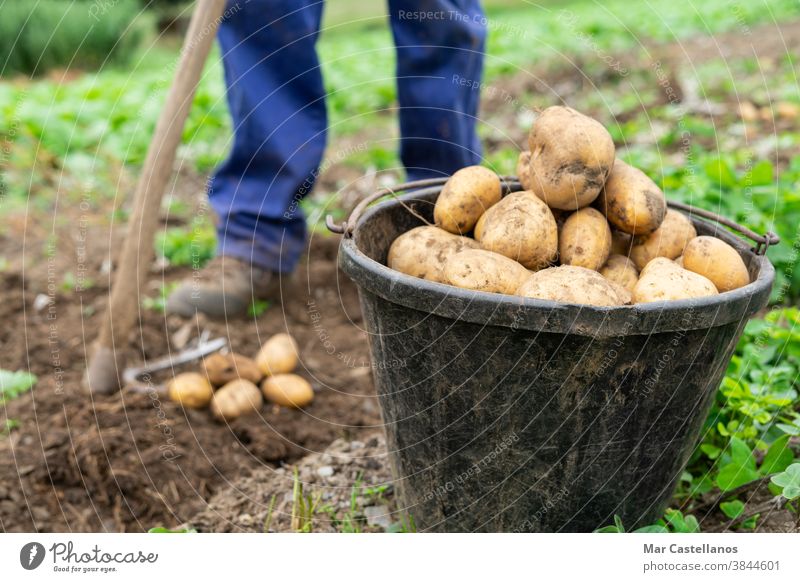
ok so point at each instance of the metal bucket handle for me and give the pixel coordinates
(763, 242)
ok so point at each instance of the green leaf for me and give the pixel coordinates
(608, 529)
(162, 529)
(652, 529)
(778, 457)
(732, 509)
(761, 174)
(789, 480)
(741, 454)
(732, 476)
(14, 384)
(711, 451)
(720, 173)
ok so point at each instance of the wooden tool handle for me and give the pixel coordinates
(103, 374)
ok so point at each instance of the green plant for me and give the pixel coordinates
(304, 506)
(190, 246)
(159, 302)
(789, 483)
(674, 521)
(270, 510)
(162, 529)
(14, 384)
(257, 308)
(38, 36)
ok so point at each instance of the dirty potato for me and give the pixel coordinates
(278, 355)
(481, 270)
(631, 201)
(621, 270)
(190, 389)
(422, 252)
(235, 399)
(222, 368)
(521, 227)
(585, 240)
(663, 280)
(571, 157)
(288, 390)
(568, 284)
(668, 240)
(621, 243)
(465, 197)
(717, 261)
(524, 170)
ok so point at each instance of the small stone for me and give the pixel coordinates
(378, 515)
(41, 302)
(246, 519)
(326, 471)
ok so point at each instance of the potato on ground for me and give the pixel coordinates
(482, 270)
(288, 390)
(222, 368)
(422, 252)
(278, 355)
(585, 240)
(236, 399)
(524, 170)
(190, 389)
(568, 284)
(663, 280)
(631, 201)
(621, 270)
(571, 158)
(465, 197)
(668, 240)
(521, 227)
(717, 261)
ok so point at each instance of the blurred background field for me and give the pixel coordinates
(702, 96)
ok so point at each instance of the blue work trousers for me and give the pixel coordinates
(277, 101)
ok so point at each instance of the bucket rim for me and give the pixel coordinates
(530, 314)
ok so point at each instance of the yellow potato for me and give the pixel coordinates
(571, 157)
(278, 355)
(621, 270)
(481, 270)
(585, 239)
(568, 284)
(663, 280)
(621, 243)
(190, 389)
(521, 227)
(222, 368)
(235, 399)
(288, 390)
(524, 170)
(668, 240)
(631, 201)
(465, 197)
(422, 252)
(717, 261)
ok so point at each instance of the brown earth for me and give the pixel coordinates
(132, 461)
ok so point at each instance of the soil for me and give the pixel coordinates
(132, 461)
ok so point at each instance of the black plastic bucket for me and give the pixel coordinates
(511, 414)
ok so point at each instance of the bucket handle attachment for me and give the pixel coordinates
(763, 241)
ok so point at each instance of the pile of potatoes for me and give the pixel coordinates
(587, 228)
(229, 383)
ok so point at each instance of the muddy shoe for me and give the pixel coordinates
(225, 287)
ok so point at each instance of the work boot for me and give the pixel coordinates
(225, 287)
